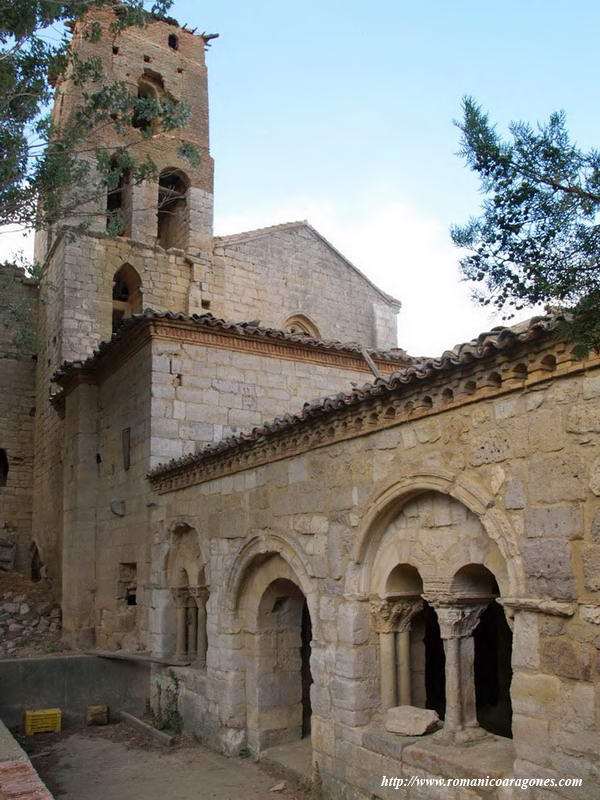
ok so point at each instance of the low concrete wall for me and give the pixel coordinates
(71, 683)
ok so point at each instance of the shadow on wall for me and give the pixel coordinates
(71, 683)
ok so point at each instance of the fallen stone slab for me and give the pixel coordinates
(148, 730)
(410, 720)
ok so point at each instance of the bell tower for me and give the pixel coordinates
(163, 247)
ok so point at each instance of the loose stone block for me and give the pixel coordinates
(411, 721)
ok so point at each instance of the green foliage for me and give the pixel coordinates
(538, 238)
(19, 307)
(41, 178)
(167, 716)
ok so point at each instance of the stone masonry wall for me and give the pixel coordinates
(17, 408)
(526, 465)
(289, 269)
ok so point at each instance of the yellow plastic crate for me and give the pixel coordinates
(43, 720)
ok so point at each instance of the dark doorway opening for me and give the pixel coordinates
(493, 672)
(306, 677)
(435, 664)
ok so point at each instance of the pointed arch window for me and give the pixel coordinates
(172, 214)
(126, 295)
(301, 325)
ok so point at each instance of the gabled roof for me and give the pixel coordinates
(247, 236)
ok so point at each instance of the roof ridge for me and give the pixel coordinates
(306, 224)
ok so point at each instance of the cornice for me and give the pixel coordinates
(405, 397)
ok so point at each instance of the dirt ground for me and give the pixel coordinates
(114, 763)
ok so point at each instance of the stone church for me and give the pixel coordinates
(226, 465)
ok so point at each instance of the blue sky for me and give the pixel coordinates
(342, 113)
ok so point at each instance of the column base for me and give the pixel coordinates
(461, 736)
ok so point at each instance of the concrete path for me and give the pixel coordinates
(113, 764)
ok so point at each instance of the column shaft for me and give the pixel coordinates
(192, 631)
(403, 660)
(387, 656)
(453, 717)
(180, 635)
(202, 637)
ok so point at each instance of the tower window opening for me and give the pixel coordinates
(126, 295)
(142, 117)
(118, 200)
(172, 215)
(3, 467)
(173, 42)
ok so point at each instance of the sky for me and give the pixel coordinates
(342, 113)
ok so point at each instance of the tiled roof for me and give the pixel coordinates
(214, 323)
(484, 346)
(245, 236)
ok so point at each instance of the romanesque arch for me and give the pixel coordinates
(186, 579)
(432, 560)
(274, 604)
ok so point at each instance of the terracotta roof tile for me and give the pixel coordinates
(483, 346)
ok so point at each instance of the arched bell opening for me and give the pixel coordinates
(172, 212)
(126, 294)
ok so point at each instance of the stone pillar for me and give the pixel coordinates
(192, 629)
(200, 595)
(392, 621)
(180, 597)
(457, 623)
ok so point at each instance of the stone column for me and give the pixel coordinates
(192, 628)
(180, 598)
(200, 595)
(392, 622)
(457, 623)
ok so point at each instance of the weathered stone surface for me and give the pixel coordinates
(410, 721)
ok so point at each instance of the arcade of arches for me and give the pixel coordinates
(280, 658)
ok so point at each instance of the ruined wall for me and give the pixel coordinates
(17, 408)
(289, 269)
(524, 466)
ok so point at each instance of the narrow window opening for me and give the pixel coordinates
(115, 51)
(173, 41)
(126, 295)
(205, 304)
(36, 563)
(142, 118)
(118, 200)
(4, 467)
(147, 59)
(172, 210)
(127, 585)
(126, 446)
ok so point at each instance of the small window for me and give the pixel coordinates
(126, 445)
(147, 59)
(173, 42)
(115, 51)
(3, 467)
(127, 586)
(126, 294)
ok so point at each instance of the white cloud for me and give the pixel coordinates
(13, 241)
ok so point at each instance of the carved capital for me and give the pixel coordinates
(180, 596)
(458, 621)
(200, 594)
(393, 615)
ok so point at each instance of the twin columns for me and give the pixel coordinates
(190, 632)
(457, 620)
